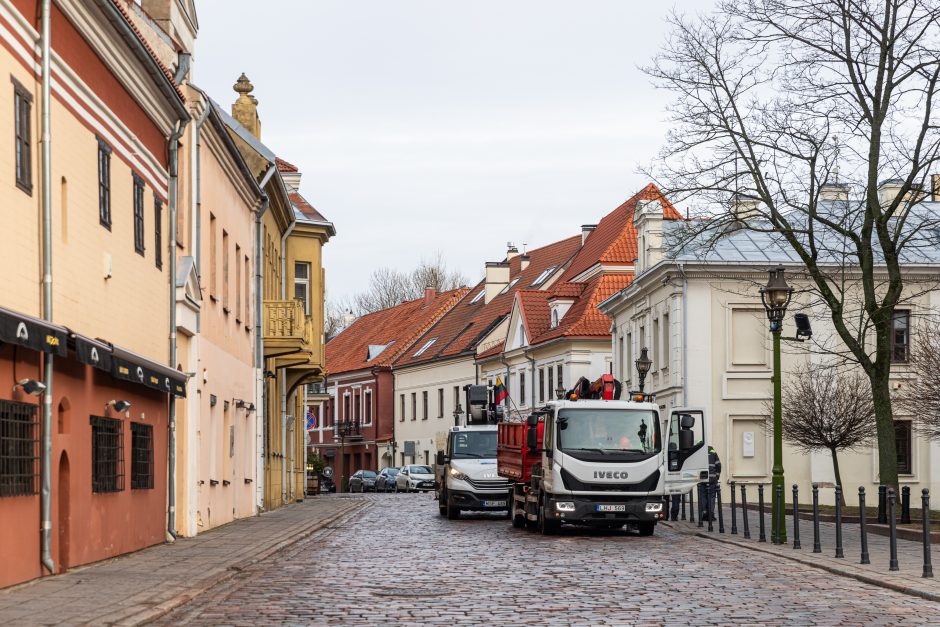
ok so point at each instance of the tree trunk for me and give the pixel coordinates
(884, 421)
(836, 472)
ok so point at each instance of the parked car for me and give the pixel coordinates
(414, 478)
(362, 481)
(385, 481)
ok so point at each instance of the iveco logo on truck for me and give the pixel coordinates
(609, 474)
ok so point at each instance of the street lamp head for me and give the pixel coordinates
(776, 296)
(560, 393)
(643, 363)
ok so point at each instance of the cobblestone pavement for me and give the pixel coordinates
(398, 562)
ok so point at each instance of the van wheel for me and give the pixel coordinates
(453, 512)
(646, 528)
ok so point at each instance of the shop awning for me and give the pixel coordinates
(93, 352)
(129, 366)
(38, 335)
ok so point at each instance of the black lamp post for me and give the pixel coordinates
(776, 296)
(643, 364)
(457, 411)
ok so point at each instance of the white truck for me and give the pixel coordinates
(593, 459)
(466, 472)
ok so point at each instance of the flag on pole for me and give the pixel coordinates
(499, 391)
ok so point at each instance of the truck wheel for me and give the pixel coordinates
(453, 512)
(518, 518)
(547, 526)
(646, 528)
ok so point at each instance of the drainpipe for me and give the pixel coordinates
(197, 159)
(284, 418)
(685, 335)
(171, 443)
(46, 489)
(261, 381)
(532, 363)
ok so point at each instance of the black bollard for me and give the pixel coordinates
(925, 521)
(882, 504)
(691, 506)
(817, 547)
(796, 517)
(906, 505)
(892, 531)
(779, 516)
(721, 515)
(701, 505)
(710, 505)
(747, 527)
(862, 525)
(839, 551)
(682, 499)
(762, 537)
(734, 516)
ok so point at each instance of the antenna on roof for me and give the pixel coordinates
(835, 157)
(523, 247)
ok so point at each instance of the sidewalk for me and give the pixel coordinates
(910, 553)
(141, 586)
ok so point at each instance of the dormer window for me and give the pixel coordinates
(554, 318)
(520, 336)
(542, 277)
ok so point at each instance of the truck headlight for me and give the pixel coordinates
(459, 476)
(564, 506)
(654, 507)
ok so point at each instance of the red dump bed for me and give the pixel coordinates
(513, 460)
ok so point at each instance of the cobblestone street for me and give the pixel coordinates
(398, 562)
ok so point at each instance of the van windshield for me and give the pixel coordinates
(474, 445)
(609, 434)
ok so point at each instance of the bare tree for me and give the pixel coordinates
(786, 115)
(920, 395)
(338, 315)
(387, 288)
(825, 410)
(435, 273)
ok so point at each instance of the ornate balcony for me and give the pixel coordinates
(286, 329)
(348, 430)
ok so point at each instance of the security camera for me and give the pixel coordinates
(119, 406)
(30, 386)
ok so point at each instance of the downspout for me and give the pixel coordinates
(261, 382)
(197, 159)
(171, 442)
(284, 420)
(685, 335)
(532, 362)
(46, 489)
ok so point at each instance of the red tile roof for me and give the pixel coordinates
(491, 352)
(464, 326)
(284, 166)
(583, 319)
(120, 7)
(396, 328)
(535, 312)
(614, 239)
(305, 207)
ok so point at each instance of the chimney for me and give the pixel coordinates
(430, 294)
(245, 107)
(586, 229)
(744, 207)
(888, 190)
(524, 262)
(648, 221)
(497, 278)
(834, 191)
(511, 251)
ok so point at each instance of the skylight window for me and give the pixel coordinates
(377, 349)
(426, 346)
(478, 296)
(509, 287)
(541, 278)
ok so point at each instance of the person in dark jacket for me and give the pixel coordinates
(706, 504)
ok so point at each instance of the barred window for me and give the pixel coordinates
(141, 456)
(107, 455)
(19, 449)
(104, 184)
(138, 215)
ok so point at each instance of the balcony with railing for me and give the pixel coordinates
(287, 329)
(348, 430)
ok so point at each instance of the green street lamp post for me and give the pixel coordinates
(776, 296)
(643, 364)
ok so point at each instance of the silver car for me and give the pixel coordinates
(415, 478)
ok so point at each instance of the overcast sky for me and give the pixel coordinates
(453, 126)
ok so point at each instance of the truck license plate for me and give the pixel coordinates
(494, 503)
(611, 508)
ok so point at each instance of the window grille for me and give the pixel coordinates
(19, 449)
(141, 456)
(107, 455)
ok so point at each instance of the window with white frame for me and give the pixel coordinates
(426, 346)
(510, 286)
(542, 277)
(478, 296)
(302, 284)
(665, 357)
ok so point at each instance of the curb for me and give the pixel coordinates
(161, 609)
(930, 596)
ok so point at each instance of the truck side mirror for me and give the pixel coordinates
(532, 439)
(441, 458)
(532, 420)
(686, 439)
(686, 421)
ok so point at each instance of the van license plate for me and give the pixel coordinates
(494, 503)
(611, 508)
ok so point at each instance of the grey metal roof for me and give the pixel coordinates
(697, 241)
(243, 132)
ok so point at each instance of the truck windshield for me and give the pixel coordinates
(608, 433)
(474, 445)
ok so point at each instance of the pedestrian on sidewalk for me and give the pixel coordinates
(706, 505)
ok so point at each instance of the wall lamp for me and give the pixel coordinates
(119, 406)
(30, 386)
(239, 403)
(269, 375)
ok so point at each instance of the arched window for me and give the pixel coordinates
(554, 318)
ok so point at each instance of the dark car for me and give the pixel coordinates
(362, 481)
(385, 481)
